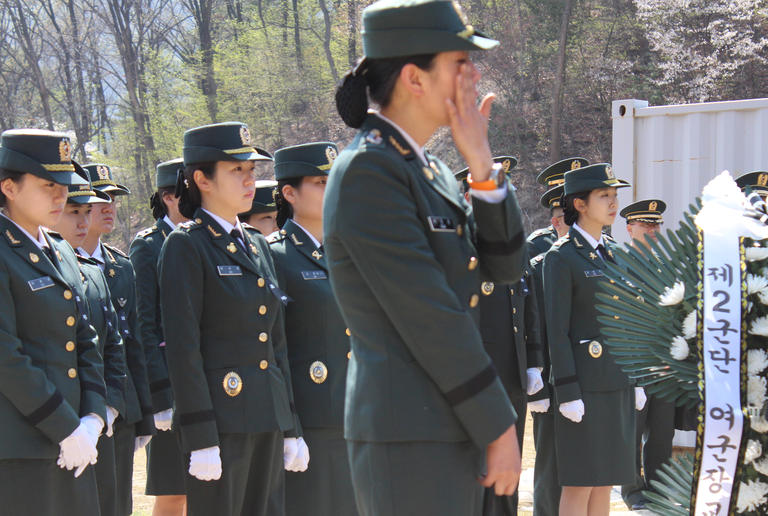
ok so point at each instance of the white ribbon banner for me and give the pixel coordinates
(723, 417)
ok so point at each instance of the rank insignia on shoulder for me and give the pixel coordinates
(229, 270)
(316, 254)
(487, 287)
(296, 240)
(592, 256)
(144, 232)
(314, 275)
(441, 224)
(215, 233)
(40, 283)
(11, 238)
(397, 145)
(594, 273)
(374, 137)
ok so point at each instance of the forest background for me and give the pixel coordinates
(125, 78)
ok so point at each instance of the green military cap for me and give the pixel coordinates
(308, 159)
(756, 182)
(167, 172)
(553, 198)
(591, 177)
(85, 193)
(648, 210)
(45, 154)
(396, 28)
(227, 141)
(553, 174)
(263, 200)
(507, 164)
(102, 179)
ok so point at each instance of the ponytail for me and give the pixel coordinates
(186, 188)
(352, 98)
(159, 209)
(284, 208)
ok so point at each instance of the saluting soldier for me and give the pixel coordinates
(135, 427)
(595, 419)
(406, 256)
(542, 239)
(263, 213)
(52, 393)
(509, 325)
(222, 315)
(318, 339)
(546, 488)
(73, 227)
(754, 182)
(656, 422)
(165, 461)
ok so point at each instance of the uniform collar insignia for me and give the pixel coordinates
(316, 254)
(593, 256)
(109, 255)
(12, 239)
(577, 242)
(214, 233)
(402, 149)
(296, 240)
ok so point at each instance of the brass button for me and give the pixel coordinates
(514, 310)
(349, 333)
(67, 294)
(72, 372)
(263, 337)
(199, 220)
(70, 320)
(459, 230)
(515, 328)
(472, 263)
(263, 364)
(349, 355)
(511, 292)
(612, 282)
(474, 300)
(261, 282)
(262, 310)
(70, 346)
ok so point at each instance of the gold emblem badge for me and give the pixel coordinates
(331, 154)
(316, 254)
(506, 165)
(215, 233)
(428, 173)
(65, 150)
(609, 173)
(575, 164)
(232, 384)
(245, 135)
(111, 273)
(653, 205)
(33, 258)
(232, 248)
(487, 287)
(11, 238)
(593, 256)
(595, 349)
(103, 172)
(762, 180)
(254, 250)
(396, 144)
(318, 372)
(295, 239)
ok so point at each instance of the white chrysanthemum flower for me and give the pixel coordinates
(756, 283)
(750, 304)
(689, 325)
(757, 361)
(673, 295)
(756, 386)
(752, 494)
(679, 348)
(754, 451)
(762, 295)
(761, 466)
(755, 254)
(758, 424)
(759, 326)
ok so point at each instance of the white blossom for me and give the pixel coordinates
(757, 361)
(753, 451)
(752, 494)
(759, 326)
(679, 348)
(758, 424)
(756, 386)
(755, 254)
(673, 295)
(689, 325)
(756, 283)
(761, 466)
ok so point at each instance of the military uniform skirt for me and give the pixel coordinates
(165, 465)
(325, 488)
(600, 450)
(40, 487)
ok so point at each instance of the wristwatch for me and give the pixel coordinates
(495, 181)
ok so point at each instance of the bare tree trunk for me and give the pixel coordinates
(327, 40)
(559, 84)
(352, 32)
(202, 11)
(297, 34)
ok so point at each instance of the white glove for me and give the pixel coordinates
(94, 424)
(111, 416)
(163, 420)
(640, 398)
(539, 405)
(301, 463)
(77, 450)
(535, 383)
(141, 442)
(290, 452)
(205, 464)
(573, 410)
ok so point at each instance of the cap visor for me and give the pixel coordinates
(87, 199)
(482, 42)
(113, 189)
(67, 178)
(249, 156)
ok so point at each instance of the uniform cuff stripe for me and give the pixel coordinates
(93, 387)
(566, 380)
(197, 417)
(46, 409)
(472, 387)
(159, 385)
(499, 248)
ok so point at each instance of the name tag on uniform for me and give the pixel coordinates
(40, 283)
(594, 273)
(313, 275)
(229, 270)
(441, 224)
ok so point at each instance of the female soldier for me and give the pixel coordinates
(73, 227)
(165, 463)
(263, 213)
(406, 256)
(318, 342)
(52, 394)
(223, 320)
(595, 423)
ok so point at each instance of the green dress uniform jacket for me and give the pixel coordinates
(225, 337)
(145, 251)
(121, 281)
(406, 256)
(51, 373)
(541, 240)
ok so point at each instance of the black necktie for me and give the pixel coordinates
(604, 253)
(235, 234)
(49, 253)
